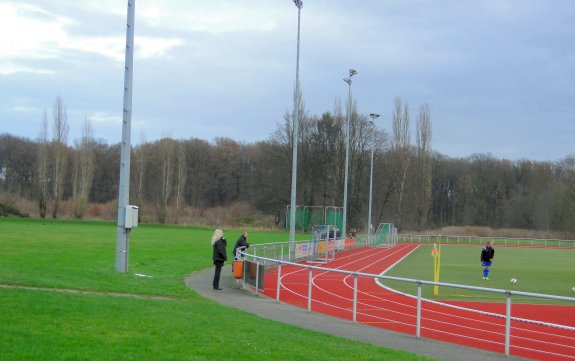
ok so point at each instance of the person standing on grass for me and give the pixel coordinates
(487, 254)
(219, 256)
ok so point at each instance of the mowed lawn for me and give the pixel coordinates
(65, 301)
(537, 270)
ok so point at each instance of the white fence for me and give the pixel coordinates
(260, 254)
(532, 242)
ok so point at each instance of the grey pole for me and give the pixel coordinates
(352, 72)
(354, 298)
(418, 318)
(507, 323)
(373, 116)
(123, 234)
(299, 5)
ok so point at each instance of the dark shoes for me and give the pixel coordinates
(217, 288)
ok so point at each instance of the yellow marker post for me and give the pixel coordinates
(436, 253)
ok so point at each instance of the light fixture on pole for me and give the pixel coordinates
(293, 205)
(352, 72)
(373, 116)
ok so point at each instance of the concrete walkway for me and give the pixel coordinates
(232, 295)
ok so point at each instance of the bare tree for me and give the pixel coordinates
(401, 137)
(59, 140)
(361, 140)
(42, 166)
(18, 164)
(139, 162)
(401, 154)
(181, 175)
(83, 172)
(199, 162)
(166, 177)
(424, 164)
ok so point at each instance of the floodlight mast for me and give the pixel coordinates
(373, 116)
(123, 234)
(352, 72)
(296, 111)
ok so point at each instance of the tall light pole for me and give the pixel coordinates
(352, 72)
(373, 116)
(296, 96)
(123, 233)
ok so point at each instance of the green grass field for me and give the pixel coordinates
(538, 270)
(80, 256)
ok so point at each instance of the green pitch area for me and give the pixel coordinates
(43, 265)
(537, 270)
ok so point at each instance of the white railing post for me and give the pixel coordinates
(279, 283)
(244, 274)
(418, 321)
(354, 298)
(508, 324)
(309, 290)
(257, 276)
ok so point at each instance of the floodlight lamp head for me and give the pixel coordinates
(374, 115)
(298, 3)
(347, 80)
(352, 72)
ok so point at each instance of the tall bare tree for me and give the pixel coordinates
(401, 154)
(181, 175)
(166, 177)
(139, 162)
(424, 164)
(83, 172)
(59, 140)
(361, 142)
(42, 166)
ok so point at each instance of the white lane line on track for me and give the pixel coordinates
(368, 251)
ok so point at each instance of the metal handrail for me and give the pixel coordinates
(508, 293)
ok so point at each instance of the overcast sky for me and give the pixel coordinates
(498, 75)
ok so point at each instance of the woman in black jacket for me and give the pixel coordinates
(219, 256)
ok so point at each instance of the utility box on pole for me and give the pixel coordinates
(131, 216)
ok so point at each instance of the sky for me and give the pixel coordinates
(498, 75)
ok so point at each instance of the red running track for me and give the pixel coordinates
(461, 323)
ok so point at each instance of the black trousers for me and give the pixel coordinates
(219, 265)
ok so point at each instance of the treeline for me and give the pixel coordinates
(413, 187)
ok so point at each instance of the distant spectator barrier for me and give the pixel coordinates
(531, 242)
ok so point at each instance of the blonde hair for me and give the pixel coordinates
(218, 233)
